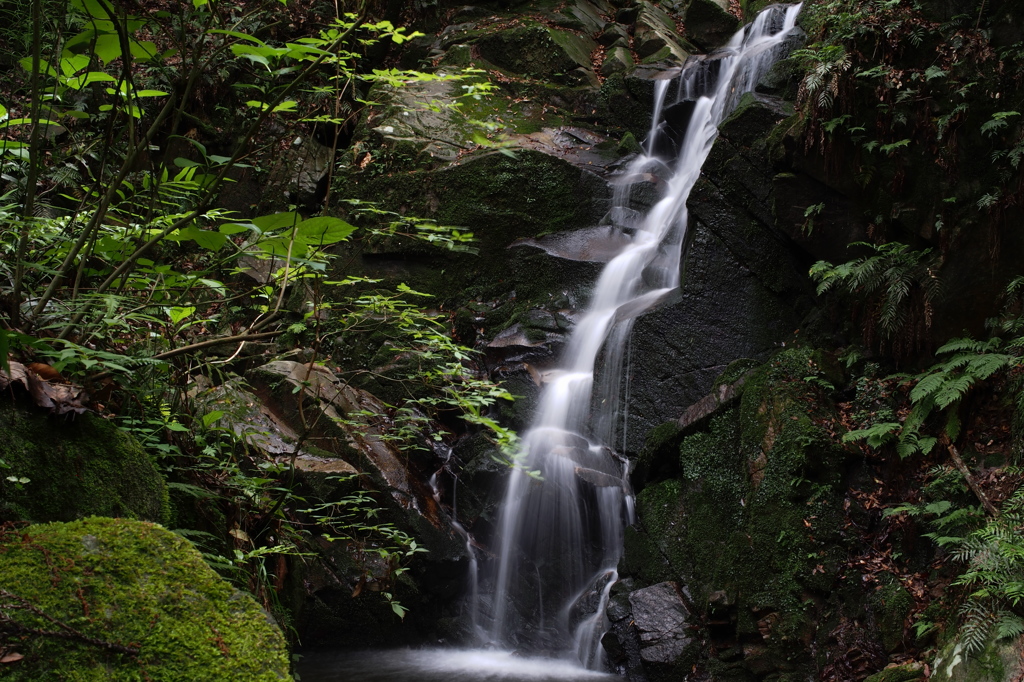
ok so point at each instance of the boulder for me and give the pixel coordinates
(62, 468)
(709, 24)
(654, 33)
(661, 619)
(102, 599)
(616, 60)
(538, 51)
(997, 661)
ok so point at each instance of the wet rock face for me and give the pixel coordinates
(661, 620)
(744, 285)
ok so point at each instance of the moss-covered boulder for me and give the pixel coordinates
(998, 661)
(752, 522)
(128, 601)
(539, 51)
(62, 468)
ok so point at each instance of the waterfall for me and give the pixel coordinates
(560, 533)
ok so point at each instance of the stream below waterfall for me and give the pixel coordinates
(439, 665)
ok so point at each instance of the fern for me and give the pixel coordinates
(994, 560)
(888, 278)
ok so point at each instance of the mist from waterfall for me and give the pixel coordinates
(560, 535)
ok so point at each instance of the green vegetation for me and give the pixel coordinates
(127, 263)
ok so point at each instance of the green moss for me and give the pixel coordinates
(655, 550)
(756, 512)
(134, 584)
(664, 54)
(990, 664)
(537, 51)
(735, 370)
(892, 605)
(76, 467)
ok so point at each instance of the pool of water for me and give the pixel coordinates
(439, 665)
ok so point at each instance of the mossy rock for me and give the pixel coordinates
(752, 522)
(538, 51)
(908, 672)
(137, 585)
(76, 467)
(892, 605)
(998, 661)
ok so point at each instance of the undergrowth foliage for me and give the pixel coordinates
(894, 286)
(120, 268)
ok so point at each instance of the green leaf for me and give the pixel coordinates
(233, 228)
(44, 66)
(278, 246)
(887, 148)
(24, 121)
(107, 47)
(323, 230)
(16, 149)
(254, 54)
(93, 8)
(80, 81)
(274, 221)
(69, 66)
(179, 313)
(239, 35)
(211, 417)
(207, 239)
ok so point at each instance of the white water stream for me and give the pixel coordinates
(560, 538)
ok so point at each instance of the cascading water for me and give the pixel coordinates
(561, 534)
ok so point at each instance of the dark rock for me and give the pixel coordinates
(62, 468)
(661, 618)
(697, 338)
(655, 32)
(613, 34)
(708, 24)
(755, 115)
(537, 51)
(616, 60)
(735, 244)
(626, 15)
